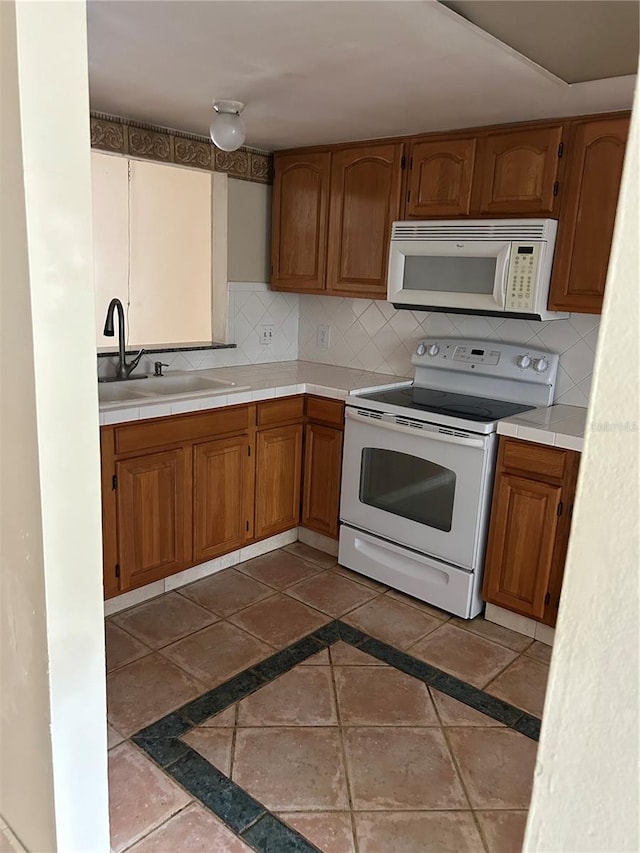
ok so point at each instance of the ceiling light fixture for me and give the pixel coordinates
(227, 128)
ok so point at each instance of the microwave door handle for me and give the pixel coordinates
(416, 432)
(502, 278)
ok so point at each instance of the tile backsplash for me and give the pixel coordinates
(373, 335)
(251, 305)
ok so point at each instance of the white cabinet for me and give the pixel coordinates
(110, 179)
(152, 235)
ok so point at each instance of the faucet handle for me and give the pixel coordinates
(157, 367)
(131, 365)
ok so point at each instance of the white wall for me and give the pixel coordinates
(586, 790)
(53, 791)
(26, 776)
(249, 231)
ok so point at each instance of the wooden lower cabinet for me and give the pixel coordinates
(529, 532)
(180, 490)
(278, 464)
(153, 517)
(321, 478)
(222, 497)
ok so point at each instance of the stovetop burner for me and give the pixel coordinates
(479, 409)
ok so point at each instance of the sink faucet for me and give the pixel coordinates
(124, 368)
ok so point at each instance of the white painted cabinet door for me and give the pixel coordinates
(170, 254)
(110, 180)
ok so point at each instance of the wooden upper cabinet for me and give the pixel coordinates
(519, 171)
(365, 199)
(589, 203)
(440, 175)
(299, 221)
(153, 513)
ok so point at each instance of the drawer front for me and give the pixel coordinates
(180, 428)
(536, 459)
(277, 411)
(325, 410)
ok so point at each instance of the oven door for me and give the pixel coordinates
(420, 486)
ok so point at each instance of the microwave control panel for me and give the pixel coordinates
(522, 277)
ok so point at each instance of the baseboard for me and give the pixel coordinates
(519, 624)
(195, 573)
(318, 541)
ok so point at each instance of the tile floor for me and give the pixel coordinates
(353, 754)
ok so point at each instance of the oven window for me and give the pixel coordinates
(407, 486)
(449, 275)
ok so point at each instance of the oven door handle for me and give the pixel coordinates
(392, 426)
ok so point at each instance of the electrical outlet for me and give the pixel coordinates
(266, 336)
(324, 337)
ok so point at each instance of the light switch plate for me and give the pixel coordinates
(266, 335)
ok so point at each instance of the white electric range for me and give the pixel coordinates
(418, 466)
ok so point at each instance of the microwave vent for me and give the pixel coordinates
(513, 231)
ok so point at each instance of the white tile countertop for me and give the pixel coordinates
(560, 426)
(254, 382)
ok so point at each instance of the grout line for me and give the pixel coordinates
(109, 672)
(502, 671)
(445, 734)
(233, 739)
(344, 755)
(490, 639)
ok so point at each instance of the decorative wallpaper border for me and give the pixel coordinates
(138, 139)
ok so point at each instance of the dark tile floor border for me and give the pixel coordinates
(238, 810)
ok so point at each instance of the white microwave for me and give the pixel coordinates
(494, 267)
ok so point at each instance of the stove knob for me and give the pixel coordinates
(540, 365)
(421, 349)
(434, 349)
(523, 361)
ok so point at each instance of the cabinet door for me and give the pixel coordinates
(278, 468)
(589, 207)
(520, 170)
(440, 178)
(170, 243)
(223, 497)
(110, 208)
(522, 538)
(365, 199)
(153, 510)
(321, 487)
(299, 221)
(109, 514)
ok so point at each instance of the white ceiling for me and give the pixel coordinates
(561, 34)
(321, 72)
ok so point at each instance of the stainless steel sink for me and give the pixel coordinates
(185, 383)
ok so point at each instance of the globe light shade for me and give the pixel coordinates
(227, 128)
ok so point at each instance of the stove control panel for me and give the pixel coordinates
(476, 355)
(494, 369)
